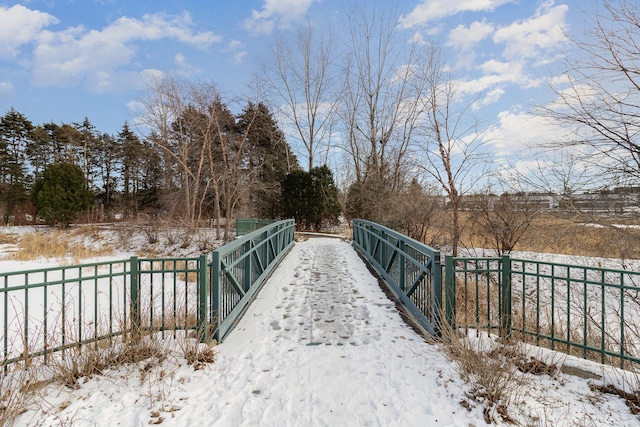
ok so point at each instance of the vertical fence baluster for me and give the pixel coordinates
(203, 324)
(135, 299)
(26, 315)
(505, 315)
(5, 322)
(45, 330)
(602, 320)
(450, 289)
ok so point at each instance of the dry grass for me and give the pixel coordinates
(22, 383)
(552, 234)
(8, 239)
(55, 245)
(491, 368)
(14, 394)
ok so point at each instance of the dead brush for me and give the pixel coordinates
(196, 353)
(476, 303)
(632, 399)
(193, 341)
(14, 391)
(93, 358)
(491, 369)
(54, 245)
(8, 239)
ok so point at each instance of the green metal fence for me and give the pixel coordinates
(246, 226)
(240, 268)
(53, 309)
(49, 310)
(410, 269)
(590, 312)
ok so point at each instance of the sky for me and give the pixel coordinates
(64, 60)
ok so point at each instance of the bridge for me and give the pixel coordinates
(320, 297)
(322, 330)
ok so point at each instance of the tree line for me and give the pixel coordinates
(389, 113)
(197, 162)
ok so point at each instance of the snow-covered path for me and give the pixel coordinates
(323, 345)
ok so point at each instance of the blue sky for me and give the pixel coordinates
(62, 60)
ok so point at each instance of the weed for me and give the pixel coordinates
(54, 245)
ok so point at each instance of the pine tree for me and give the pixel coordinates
(61, 193)
(15, 134)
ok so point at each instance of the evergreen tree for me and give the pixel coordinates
(296, 197)
(61, 193)
(15, 134)
(269, 159)
(311, 198)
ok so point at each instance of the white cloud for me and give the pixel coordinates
(493, 96)
(530, 37)
(496, 73)
(431, 10)
(6, 90)
(19, 26)
(184, 68)
(276, 12)
(238, 51)
(520, 132)
(465, 38)
(97, 56)
(239, 57)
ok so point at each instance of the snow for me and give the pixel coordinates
(322, 345)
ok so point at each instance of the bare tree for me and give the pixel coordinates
(451, 149)
(415, 213)
(381, 103)
(504, 219)
(178, 115)
(601, 99)
(299, 77)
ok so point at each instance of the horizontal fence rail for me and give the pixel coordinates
(410, 269)
(589, 312)
(247, 225)
(240, 268)
(475, 294)
(53, 309)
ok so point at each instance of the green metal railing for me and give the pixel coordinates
(590, 312)
(240, 268)
(246, 226)
(410, 269)
(476, 294)
(50, 310)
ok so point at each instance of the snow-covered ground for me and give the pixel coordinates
(322, 346)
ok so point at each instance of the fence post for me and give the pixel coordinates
(215, 295)
(450, 291)
(436, 294)
(135, 299)
(505, 298)
(203, 285)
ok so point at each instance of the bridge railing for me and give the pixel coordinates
(44, 311)
(589, 312)
(240, 268)
(410, 269)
